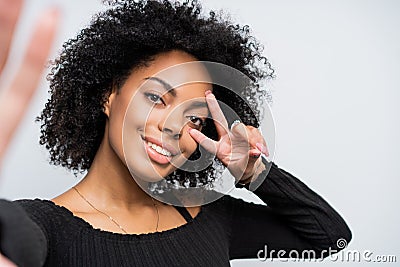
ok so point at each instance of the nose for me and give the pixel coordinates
(171, 124)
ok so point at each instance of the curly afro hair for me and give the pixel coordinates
(126, 36)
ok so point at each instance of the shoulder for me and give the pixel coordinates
(38, 207)
(229, 200)
(229, 205)
(45, 213)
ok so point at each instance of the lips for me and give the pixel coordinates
(159, 149)
(158, 152)
(165, 146)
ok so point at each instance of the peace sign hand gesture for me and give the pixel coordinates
(238, 148)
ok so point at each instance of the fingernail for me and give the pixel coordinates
(260, 147)
(263, 149)
(208, 92)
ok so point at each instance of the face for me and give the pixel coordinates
(149, 116)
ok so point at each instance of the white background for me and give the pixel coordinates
(334, 102)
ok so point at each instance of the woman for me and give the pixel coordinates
(116, 65)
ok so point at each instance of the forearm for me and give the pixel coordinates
(306, 212)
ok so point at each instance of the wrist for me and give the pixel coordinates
(259, 167)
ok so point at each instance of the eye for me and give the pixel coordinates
(154, 98)
(198, 122)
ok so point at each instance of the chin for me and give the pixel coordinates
(147, 172)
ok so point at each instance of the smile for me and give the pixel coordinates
(159, 149)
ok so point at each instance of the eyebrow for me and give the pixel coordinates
(198, 104)
(172, 91)
(167, 86)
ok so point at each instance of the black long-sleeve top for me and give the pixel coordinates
(295, 218)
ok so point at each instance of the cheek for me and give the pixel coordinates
(122, 124)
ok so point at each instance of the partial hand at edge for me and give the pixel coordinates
(15, 99)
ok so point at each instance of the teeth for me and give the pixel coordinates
(159, 149)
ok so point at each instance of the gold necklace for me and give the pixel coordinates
(111, 218)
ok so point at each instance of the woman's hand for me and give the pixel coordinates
(238, 148)
(15, 99)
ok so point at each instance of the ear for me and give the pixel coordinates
(107, 105)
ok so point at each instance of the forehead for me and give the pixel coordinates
(175, 69)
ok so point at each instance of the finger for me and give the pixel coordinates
(252, 135)
(254, 153)
(262, 148)
(257, 140)
(209, 144)
(240, 130)
(9, 12)
(253, 157)
(218, 116)
(15, 99)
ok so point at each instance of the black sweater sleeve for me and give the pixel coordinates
(21, 239)
(296, 220)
